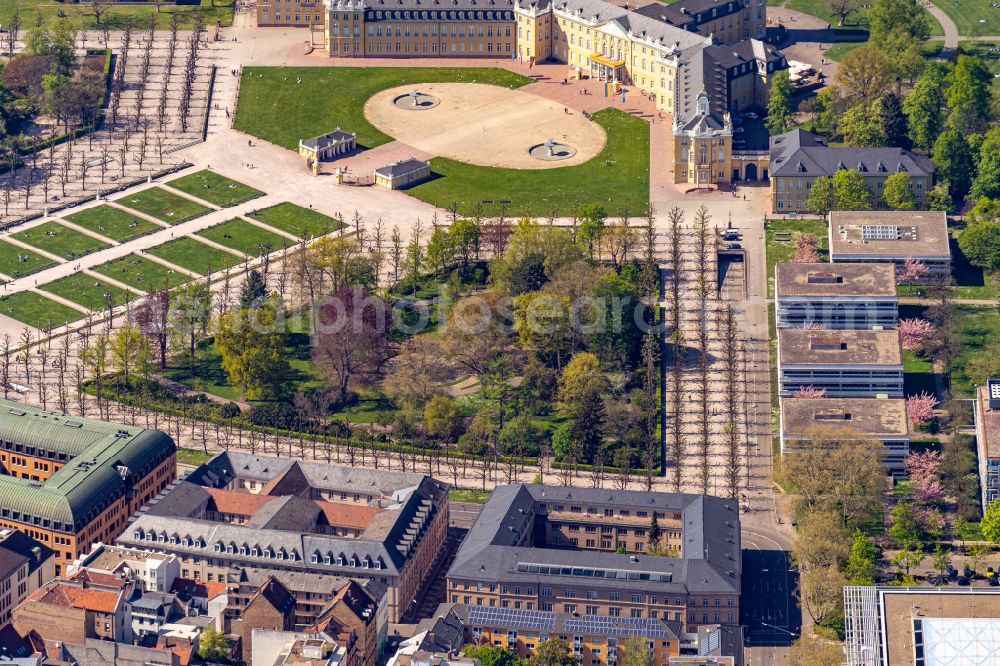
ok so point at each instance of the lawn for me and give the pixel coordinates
(968, 281)
(167, 206)
(80, 15)
(856, 21)
(246, 238)
(60, 240)
(296, 220)
(38, 311)
(113, 223)
(16, 262)
(839, 51)
(216, 189)
(87, 290)
(195, 256)
(273, 107)
(617, 178)
(140, 273)
(191, 456)
(976, 326)
(781, 251)
(972, 17)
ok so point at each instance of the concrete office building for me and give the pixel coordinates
(806, 419)
(835, 296)
(891, 237)
(987, 420)
(845, 364)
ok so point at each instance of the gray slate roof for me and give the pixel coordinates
(494, 547)
(802, 154)
(396, 169)
(326, 140)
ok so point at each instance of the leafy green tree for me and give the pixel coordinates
(815, 651)
(562, 441)
(553, 652)
(442, 418)
(953, 162)
(990, 523)
(592, 217)
(969, 95)
(581, 376)
(251, 343)
(865, 74)
(635, 652)
(254, 290)
(213, 646)
(897, 191)
(129, 349)
(896, 26)
(980, 243)
(780, 106)
(465, 235)
(655, 533)
(906, 527)
(491, 655)
(533, 255)
(190, 314)
(924, 106)
(862, 560)
(520, 437)
(543, 324)
(440, 251)
(588, 417)
(56, 40)
(851, 190)
(864, 126)
(987, 182)
(822, 196)
(939, 199)
(940, 559)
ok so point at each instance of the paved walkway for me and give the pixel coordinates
(950, 30)
(916, 300)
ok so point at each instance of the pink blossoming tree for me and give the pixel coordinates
(913, 271)
(925, 475)
(920, 407)
(810, 392)
(915, 333)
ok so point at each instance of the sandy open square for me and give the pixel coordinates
(483, 124)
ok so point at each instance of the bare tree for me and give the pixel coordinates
(701, 314)
(13, 31)
(675, 267)
(5, 363)
(729, 335)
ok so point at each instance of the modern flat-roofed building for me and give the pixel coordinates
(69, 482)
(922, 626)
(240, 510)
(837, 296)
(882, 420)
(891, 237)
(845, 364)
(553, 549)
(987, 418)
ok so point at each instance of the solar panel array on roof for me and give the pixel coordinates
(880, 232)
(511, 618)
(602, 625)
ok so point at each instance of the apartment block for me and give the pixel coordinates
(835, 296)
(845, 364)
(25, 565)
(804, 420)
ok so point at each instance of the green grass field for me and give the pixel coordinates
(140, 273)
(163, 205)
(840, 50)
(249, 239)
(15, 261)
(87, 290)
(195, 256)
(617, 178)
(296, 220)
(216, 189)
(971, 17)
(780, 251)
(60, 240)
(976, 327)
(113, 223)
(81, 16)
(272, 105)
(38, 311)
(856, 21)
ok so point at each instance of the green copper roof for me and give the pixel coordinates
(104, 460)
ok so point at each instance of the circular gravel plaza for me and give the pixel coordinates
(487, 125)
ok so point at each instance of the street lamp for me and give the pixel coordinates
(790, 633)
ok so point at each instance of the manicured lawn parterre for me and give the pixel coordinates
(244, 237)
(163, 205)
(60, 240)
(113, 223)
(617, 178)
(976, 327)
(195, 256)
(87, 290)
(296, 220)
(141, 273)
(273, 106)
(38, 311)
(216, 189)
(779, 251)
(15, 261)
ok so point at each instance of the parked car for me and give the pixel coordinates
(733, 246)
(730, 235)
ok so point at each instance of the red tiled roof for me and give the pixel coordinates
(198, 588)
(348, 515)
(99, 578)
(70, 596)
(235, 502)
